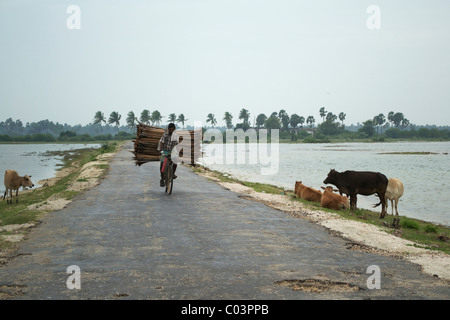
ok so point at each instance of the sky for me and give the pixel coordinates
(211, 56)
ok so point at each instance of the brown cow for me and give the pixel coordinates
(307, 193)
(332, 200)
(13, 182)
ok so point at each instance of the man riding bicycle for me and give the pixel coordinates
(167, 142)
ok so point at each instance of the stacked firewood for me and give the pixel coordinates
(147, 139)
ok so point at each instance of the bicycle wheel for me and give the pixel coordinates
(170, 174)
(168, 177)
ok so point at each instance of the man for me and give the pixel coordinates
(167, 142)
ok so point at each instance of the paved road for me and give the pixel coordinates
(132, 241)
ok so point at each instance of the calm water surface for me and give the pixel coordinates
(426, 177)
(32, 159)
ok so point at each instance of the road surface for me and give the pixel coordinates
(132, 241)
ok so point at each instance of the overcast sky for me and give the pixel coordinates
(210, 56)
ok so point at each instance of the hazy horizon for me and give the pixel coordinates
(197, 57)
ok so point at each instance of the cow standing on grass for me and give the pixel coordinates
(13, 182)
(394, 191)
(359, 182)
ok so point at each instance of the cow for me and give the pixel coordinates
(13, 182)
(394, 191)
(307, 193)
(332, 200)
(359, 182)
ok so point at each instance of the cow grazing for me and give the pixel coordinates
(359, 182)
(332, 200)
(307, 193)
(394, 191)
(13, 182)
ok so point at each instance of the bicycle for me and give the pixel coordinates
(167, 170)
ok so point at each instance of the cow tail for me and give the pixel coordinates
(376, 205)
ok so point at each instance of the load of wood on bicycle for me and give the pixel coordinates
(147, 139)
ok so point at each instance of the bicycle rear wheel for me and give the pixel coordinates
(169, 179)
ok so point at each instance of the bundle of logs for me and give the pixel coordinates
(147, 139)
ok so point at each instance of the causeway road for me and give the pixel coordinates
(130, 240)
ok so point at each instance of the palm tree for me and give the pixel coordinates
(211, 118)
(228, 120)
(391, 117)
(99, 117)
(379, 120)
(331, 117)
(310, 120)
(131, 120)
(323, 113)
(156, 117)
(181, 119)
(342, 117)
(145, 116)
(296, 120)
(405, 123)
(114, 117)
(284, 118)
(244, 115)
(172, 118)
(260, 120)
(273, 122)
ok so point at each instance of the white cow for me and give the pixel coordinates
(394, 191)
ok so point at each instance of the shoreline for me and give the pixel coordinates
(75, 176)
(361, 236)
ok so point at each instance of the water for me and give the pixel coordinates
(426, 177)
(32, 159)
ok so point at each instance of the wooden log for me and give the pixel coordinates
(147, 139)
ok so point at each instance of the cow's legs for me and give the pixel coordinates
(396, 211)
(383, 205)
(386, 202)
(353, 202)
(17, 196)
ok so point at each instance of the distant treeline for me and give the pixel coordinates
(16, 128)
(293, 127)
(66, 136)
(422, 133)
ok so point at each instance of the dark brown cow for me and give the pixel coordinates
(359, 182)
(13, 182)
